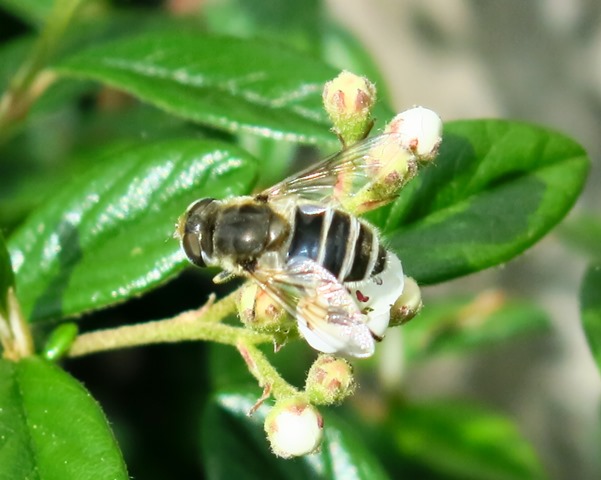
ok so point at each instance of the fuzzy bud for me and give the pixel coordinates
(348, 100)
(407, 305)
(260, 312)
(420, 130)
(330, 380)
(294, 427)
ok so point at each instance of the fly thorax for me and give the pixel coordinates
(242, 231)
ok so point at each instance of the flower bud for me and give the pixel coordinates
(420, 130)
(60, 341)
(407, 305)
(348, 100)
(260, 312)
(294, 427)
(392, 166)
(330, 380)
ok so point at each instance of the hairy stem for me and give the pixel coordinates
(202, 324)
(264, 371)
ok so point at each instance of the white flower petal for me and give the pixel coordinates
(379, 293)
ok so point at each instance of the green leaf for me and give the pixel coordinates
(302, 25)
(227, 83)
(590, 301)
(496, 188)
(463, 441)
(297, 24)
(50, 426)
(462, 324)
(107, 236)
(34, 12)
(226, 428)
(7, 278)
(344, 454)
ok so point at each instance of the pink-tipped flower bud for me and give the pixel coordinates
(260, 312)
(407, 305)
(330, 380)
(348, 100)
(294, 427)
(420, 130)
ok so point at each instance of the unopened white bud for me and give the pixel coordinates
(294, 427)
(420, 130)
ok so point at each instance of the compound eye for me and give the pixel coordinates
(191, 246)
(194, 214)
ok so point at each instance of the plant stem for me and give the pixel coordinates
(202, 324)
(29, 82)
(264, 372)
(15, 334)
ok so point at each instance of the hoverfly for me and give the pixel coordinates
(297, 241)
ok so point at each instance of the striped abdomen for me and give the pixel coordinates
(345, 246)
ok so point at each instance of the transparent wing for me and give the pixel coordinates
(342, 175)
(326, 314)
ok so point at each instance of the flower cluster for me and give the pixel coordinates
(294, 426)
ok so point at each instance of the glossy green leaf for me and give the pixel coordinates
(39, 161)
(50, 427)
(463, 324)
(34, 12)
(227, 83)
(495, 189)
(226, 428)
(7, 278)
(107, 236)
(463, 441)
(302, 25)
(590, 301)
(344, 453)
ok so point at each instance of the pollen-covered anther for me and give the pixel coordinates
(330, 380)
(294, 427)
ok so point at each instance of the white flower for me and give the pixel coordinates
(376, 295)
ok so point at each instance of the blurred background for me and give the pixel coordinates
(537, 61)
